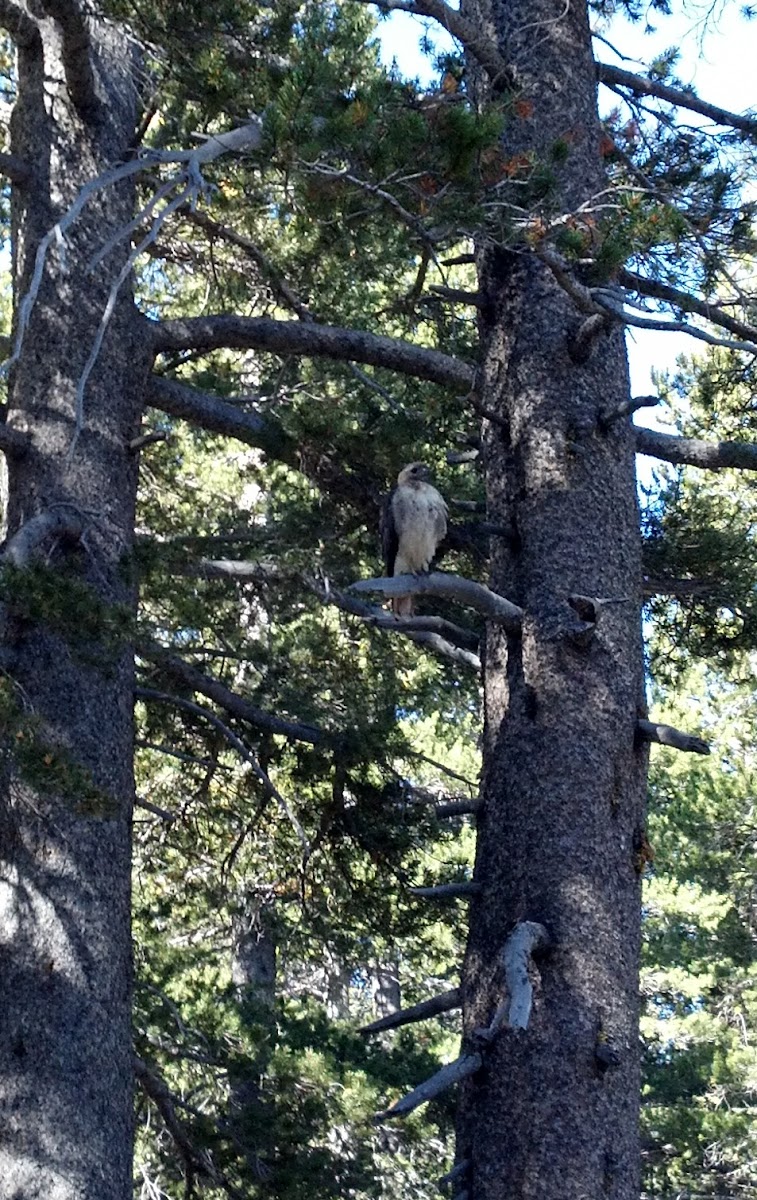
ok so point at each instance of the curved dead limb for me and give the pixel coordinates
(617, 77)
(187, 181)
(694, 452)
(525, 939)
(632, 405)
(464, 889)
(451, 587)
(440, 636)
(308, 338)
(685, 302)
(445, 1002)
(482, 48)
(447, 1077)
(64, 523)
(666, 735)
(456, 1173)
(457, 808)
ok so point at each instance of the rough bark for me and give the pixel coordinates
(65, 958)
(563, 782)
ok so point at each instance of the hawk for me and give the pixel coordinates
(413, 524)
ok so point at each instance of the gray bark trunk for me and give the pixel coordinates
(65, 957)
(553, 1114)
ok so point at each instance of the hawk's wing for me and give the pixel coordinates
(389, 536)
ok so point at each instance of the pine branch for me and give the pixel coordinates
(666, 735)
(685, 301)
(451, 587)
(310, 339)
(198, 681)
(447, 1077)
(445, 1002)
(617, 77)
(466, 32)
(714, 456)
(200, 408)
(242, 750)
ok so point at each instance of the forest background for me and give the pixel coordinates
(278, 836)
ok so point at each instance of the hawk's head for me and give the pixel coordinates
(414, 473)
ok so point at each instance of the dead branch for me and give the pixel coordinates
(447, 1077)
(481, 48)
(309, 338)
(625, 408)
(457, 1171)
(463, 889)
(617, 77)
(525, 939)
(148, 439)
(63, 523)
(443, 637)
(445, 1002)
(666, 735)
(451, 587)
(457, 295)
(715, 456)
(614, 306)
(684, 301)
(457, 808)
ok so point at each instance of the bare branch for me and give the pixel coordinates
(466, 32)
(445, 1002)
(311, 339)
(525, 939)
(685, 301)
(13, 442)
(451, 587)
(464, 889)
(148, 439)
(71, 19)
(714, 456)
(666, 735)
(617, 77)
(625, 408)
(461, 1168)
(452, 1073)
(457, 808)
(54, 523)
(614, 306)
(234, 704)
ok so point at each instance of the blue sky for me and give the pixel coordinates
(718, 50)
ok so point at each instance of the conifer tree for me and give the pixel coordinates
(338, 271)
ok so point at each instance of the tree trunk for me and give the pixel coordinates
(67, 787)
(553, 1113)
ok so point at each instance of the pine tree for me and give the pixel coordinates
(334, 207)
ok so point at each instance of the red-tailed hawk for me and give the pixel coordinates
(413, 523)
